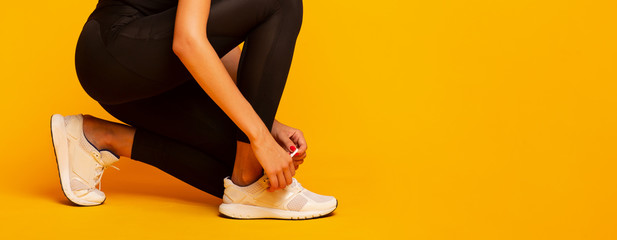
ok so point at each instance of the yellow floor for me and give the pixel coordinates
(426, 119)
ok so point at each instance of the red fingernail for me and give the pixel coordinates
(293, 148)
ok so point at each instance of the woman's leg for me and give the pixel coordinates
(103, 134)
(158, 151)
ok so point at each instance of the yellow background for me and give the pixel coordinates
(437, 119)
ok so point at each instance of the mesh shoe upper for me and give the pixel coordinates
(86, 162)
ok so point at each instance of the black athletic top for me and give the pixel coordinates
(149, 7)
(146, 7)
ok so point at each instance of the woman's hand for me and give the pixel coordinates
(276, 162)
(289, 137)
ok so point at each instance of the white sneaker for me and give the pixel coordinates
(80, 164)
(292, 202)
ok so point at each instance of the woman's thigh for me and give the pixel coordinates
(123, 56)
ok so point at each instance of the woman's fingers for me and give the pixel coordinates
(287, 174)
(300, 141)
(282, 180)
(298, 163)
(292, 170)
(273, 182)
(298, 138)
(299, 157)
(288, 144)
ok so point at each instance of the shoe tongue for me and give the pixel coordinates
(108, 158)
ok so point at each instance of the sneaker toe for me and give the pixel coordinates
(319, 202)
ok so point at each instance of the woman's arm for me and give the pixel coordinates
(191, 45)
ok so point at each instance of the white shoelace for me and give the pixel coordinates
(100, 169)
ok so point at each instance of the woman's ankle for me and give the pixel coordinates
(247, 169)
(243, 179)
(95, 132)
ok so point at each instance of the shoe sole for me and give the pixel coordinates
(61, 151)
(243, 211)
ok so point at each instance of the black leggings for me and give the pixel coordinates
(124, 60)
